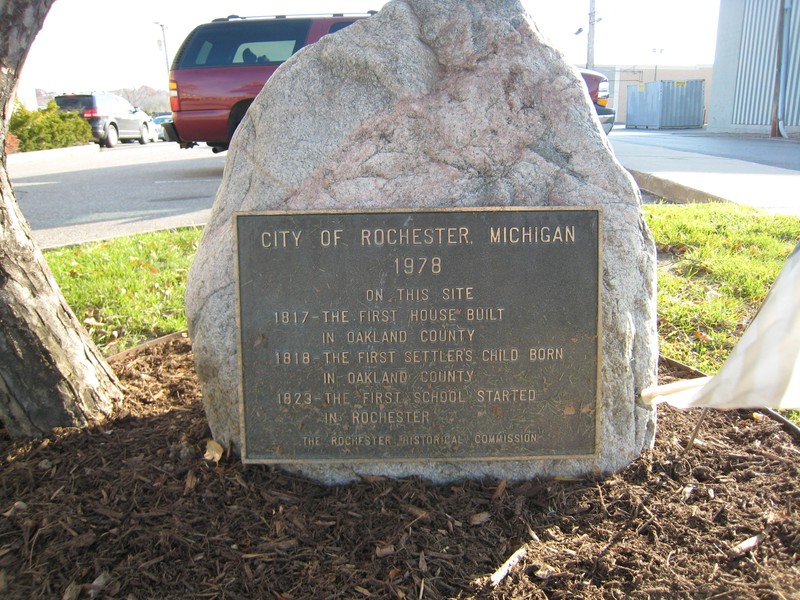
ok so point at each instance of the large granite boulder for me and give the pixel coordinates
(434, 103)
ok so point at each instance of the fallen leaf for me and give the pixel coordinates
(191, 482)
(501, 488)
(423, 564)
(420, 513)
(363, 591)
(703, 337)
(18, 506)
(479, 518)
(73, 591)
(214, 451)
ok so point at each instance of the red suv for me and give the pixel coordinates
(221, 66)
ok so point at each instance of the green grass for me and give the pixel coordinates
(127, 290)
(721, 260)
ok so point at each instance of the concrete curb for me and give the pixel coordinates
(24, 158)
(672, 191)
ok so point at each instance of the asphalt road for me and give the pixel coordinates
(750, 148)
(89, 194)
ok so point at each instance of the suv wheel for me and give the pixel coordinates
(112, 136)
(144, 134)
(237, 114)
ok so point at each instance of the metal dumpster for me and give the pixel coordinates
(666, 104)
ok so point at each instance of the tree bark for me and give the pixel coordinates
(51, 374)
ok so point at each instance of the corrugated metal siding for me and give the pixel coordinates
(757, 58)
(682, 103)
(665, 104)
(643, 106)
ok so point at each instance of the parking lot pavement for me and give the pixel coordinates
(694, 176)
(178, 186)
(84, 194)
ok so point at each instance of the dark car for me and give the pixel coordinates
(159, 121)
(112, 117)
(221, 66)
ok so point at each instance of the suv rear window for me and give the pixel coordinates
(233, 43)
(76, 103)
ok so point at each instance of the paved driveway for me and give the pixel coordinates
(86, 194)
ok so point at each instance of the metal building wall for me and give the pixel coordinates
(757, 59)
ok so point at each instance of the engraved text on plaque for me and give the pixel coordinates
(419, 335)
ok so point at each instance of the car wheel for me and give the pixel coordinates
(237, 114)
(112, 136)
(144, 134)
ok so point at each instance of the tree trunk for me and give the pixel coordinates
(51, 374)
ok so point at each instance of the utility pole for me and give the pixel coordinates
(164, 43)
(656, 52)
(590, 37)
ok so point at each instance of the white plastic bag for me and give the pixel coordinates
(763, 370)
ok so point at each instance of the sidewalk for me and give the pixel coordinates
(40, 156)
(679, 176)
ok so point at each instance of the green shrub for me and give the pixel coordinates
(48, 128)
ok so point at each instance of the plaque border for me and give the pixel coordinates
(407, 460)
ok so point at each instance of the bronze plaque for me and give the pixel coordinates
(419, 335)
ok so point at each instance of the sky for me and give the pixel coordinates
(110, 44)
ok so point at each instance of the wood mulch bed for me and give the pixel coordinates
(132, 510)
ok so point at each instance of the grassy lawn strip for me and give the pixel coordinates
(716, 265)
(127, 290)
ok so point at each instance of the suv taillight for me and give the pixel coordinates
(602, 93)
(174, 98)
(90, 113)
